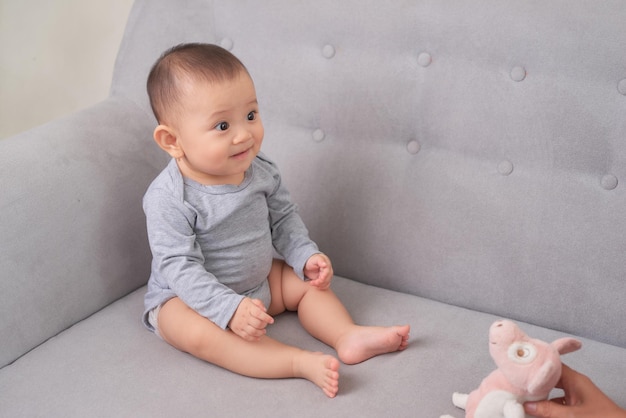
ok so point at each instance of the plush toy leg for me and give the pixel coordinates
(460, 399)
(513, 409)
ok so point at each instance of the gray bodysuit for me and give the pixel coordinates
(213, 245)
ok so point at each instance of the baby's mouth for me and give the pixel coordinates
(241, 154)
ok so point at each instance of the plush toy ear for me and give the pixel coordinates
(566, 345)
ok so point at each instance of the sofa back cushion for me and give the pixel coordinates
(469, 152)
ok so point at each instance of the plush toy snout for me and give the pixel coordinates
(503, 333)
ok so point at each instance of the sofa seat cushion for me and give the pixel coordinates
(109, 365)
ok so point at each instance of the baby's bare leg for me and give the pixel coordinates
(186, 330)
(323, 315)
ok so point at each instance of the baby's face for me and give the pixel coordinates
(219, 130)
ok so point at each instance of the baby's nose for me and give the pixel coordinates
(242, 135)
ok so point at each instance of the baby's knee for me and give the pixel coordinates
(185, 329)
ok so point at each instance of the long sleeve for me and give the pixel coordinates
(178, 262)
(289, 234)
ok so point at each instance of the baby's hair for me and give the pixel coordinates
(188, 62)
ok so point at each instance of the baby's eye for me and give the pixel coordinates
(252, 115)
(222, 126)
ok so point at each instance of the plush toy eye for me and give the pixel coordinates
(522, 353)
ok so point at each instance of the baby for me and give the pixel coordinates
(214, 217)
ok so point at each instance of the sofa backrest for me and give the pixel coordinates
(469, 152)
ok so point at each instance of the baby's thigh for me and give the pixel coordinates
(277, 305)
(286, 287)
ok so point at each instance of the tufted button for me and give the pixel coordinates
(424, 59)
(609, 182)
(518, 73)
(318, 135)
(505, 167)
(227, 44)
(413, 147)
(621, 87)
(328, 51)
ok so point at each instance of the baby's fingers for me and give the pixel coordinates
(320, 284)
(261, 315)
(252, 334)
(248, 332)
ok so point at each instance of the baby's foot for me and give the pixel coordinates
(366, 342)
(319, 368)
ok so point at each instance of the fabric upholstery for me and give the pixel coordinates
(116, 368)
(469, 153)
(72, 236)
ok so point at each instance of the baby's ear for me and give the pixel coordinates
(167, 139)
(566, 345)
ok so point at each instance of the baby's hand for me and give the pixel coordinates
(319, 270)
(250, 320)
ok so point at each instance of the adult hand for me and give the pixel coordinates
(250, 319)
(582, 399)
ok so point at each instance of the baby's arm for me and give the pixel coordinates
(178, 261)
(250, 319)
(319, 270)
(289, 234)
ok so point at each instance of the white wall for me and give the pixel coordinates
(56, 56)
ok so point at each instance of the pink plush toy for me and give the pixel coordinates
(527, 370)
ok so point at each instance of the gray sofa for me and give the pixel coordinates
(458, 161)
